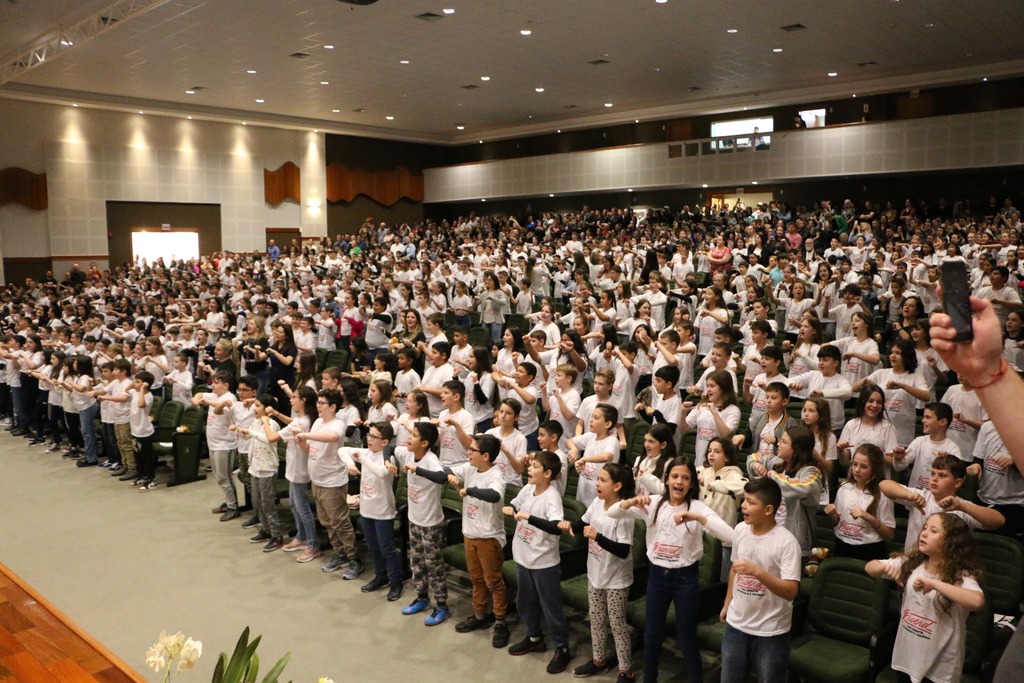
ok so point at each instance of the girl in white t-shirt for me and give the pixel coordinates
(675, 544)
(382, 404)
(721, 489)
(816, 415)
(649, 470)
(717, 415)
(940, 590)
(905, 389)
(600, 446)
(869, 425)
(296, 472)
(860, 352)
(609, 570)
(864, 518)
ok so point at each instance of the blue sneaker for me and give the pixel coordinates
(417, 606)
(437, 616)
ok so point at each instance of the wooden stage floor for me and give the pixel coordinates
(38, 644)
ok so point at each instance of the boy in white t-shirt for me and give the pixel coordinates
(549, 436)
(763, 582)
(455, 424)
(563, 403)
(482, 487)
(538, 510)
(180, 380)
(923, 450)
(221, 442)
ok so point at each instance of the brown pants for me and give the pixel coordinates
(483, 559)
(123, 434)
(332, 511)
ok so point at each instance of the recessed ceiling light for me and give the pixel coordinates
(485, 78)
(636, 120)
(607, 104)
(551, 195)
(448, 11)
(529, 116)
(251, 71)
(189, 118)
(390, 118)
(190, 92)
(732, 30)
(335, 111)
(661, 2)
(776, 49)
(315, 130)
(403, 61)
(481, 142)
(704, 185)
(525, 32)
(460, 128)
(245, 123)
(539, 89)
(558, 131)
(141, 112)
(629, 189)
(65, 42)
(753, 182)
(929, 25)
(854, 94)
(328, 47)
(832, 74)
(325, 82)
(74, 105)
(985, 80)
(260, 101)
(483, 200)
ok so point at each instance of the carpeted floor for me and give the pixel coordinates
(125, 564)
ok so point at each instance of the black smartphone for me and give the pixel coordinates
(956, 292)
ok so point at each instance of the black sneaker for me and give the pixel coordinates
(117, 471)
(471, 623)
(261, 537)
(85, 463)
(527, 645)
(626, 677)
(251, 523)
(591, 668)
(36, 442)
(230, 515)
(376, 583)
(337, 561)
(395, 591)
(499, 637)
(220, 509)
(559, 661)
(129, 475)
(273, 544)
(353, 570)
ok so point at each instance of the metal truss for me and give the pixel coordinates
(67, 38)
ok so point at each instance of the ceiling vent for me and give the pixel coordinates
(470, 87)
(570, 106)
(429, 16)
(694, 88)
(300, 55)
(793, 27)
(867, 63)
(109, 20)
(599, 62)
(360, 110)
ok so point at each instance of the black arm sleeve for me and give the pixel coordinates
(545, 525)
(436, 476)
(487, 495)
(350, 430)
(658, 417)
(481, 397)
(617, 549)
(577, 526)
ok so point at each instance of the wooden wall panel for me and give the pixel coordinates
(23, 187)
(282, 184)
(384, 187)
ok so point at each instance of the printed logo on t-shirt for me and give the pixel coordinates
(705, 433)
(315, 449)
(589, 470)
(525, 532)
(917, 624)
(995, 468)
(852, 365)
(750, 586)
(958, 426)
(780, 514)
(595, 550)
(448, 439)
(894, 405)
(667, 552)
(472, 509)
(414, 493)
(850, 530)
(367, 489)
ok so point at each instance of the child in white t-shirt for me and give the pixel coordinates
(180, 380)
(763, 582)
(940, 590)
(599, 446)
(924, 449)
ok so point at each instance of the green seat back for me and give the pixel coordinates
(1002, 579)
(710, 568)
(170, 414)
(847, 604)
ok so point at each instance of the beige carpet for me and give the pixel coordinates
(125, 564)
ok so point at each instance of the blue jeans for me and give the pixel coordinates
(18, 403)
(87, 417)
(677, 587)
(305, 522)
(768, 655)
(532, 442)
(380, 541)
(540, 591)
(496, 332)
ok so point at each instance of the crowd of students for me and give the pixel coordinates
(584, 326)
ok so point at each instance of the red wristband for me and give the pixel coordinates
(996, 376)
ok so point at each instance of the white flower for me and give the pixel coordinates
(155, 658)
(173, 644)
(324, 679)
(191, 650)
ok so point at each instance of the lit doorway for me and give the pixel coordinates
(171, 245)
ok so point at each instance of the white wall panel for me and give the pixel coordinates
(983, 139)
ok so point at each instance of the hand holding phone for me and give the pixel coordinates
(956, 299)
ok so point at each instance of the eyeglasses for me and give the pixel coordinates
(322, 402)
(473, 450)
(375, 436)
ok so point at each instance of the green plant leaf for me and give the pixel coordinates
(273, 674)
(218, 671)
(253, 670)
(241, 658)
